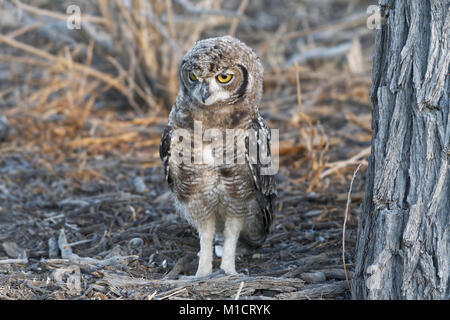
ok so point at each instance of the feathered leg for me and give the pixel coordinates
(206, 232)
(233, 227)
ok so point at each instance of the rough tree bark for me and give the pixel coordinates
(403, 249)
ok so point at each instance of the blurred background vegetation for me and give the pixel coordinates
(82, 112)
(75, 84)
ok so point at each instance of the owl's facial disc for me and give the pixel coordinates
(209, 89)
(218, 88)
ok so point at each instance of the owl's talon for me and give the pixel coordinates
(229, 273)
(201, 274)
(219, 273)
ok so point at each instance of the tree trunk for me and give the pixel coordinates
(403, 249)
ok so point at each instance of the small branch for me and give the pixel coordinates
(158, 26)
(57, 15)
(68, 255)
(189, 8)
(173, 293)
(239, 291)
(57, 60)
(347, 208)
(364, 125)
(25, 29)
(335, 166)
(14, 261)
(235, 23)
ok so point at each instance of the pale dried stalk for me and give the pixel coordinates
(235, 22)
(56, 15)
(347, 208)
(241, 286)
(58, 60)
(14, 261)
(112, 82)
(335, 166)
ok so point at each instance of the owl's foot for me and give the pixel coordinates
(198, 276)
(203, 272)
(230, 272)
(218, 274)
(212, 275)
(233, 273)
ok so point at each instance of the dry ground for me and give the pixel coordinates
(84, 210)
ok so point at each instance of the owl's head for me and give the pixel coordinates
(221, 71)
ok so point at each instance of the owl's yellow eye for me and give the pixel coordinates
(192, 76)
(224, 77)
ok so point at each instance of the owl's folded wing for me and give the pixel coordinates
(264, 183)
(164, 151)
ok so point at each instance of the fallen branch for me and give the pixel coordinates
(316, 291)
(68, 256)
(211, 287)
(14, 261)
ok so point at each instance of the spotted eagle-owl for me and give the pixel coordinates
(220, 89)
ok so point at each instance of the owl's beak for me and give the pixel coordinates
(204, 91)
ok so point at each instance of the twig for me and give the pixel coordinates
(235, 22)
(14, 261)
(68, 255)
(73, 244)
(189, 8)
(347, 207)
(158, 26)
(25, 29)
(25, 60)
(151, 296)
(299, 90)
(335, 166)
(56, 15)
(315, 291)
(178, 268)
(352, 22)
(325, 52)
(173, 293)
(364, 125)
(53, 32)
(170, 24)
(239, 290)
(58, 60)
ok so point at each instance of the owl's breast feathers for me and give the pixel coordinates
(263, 187)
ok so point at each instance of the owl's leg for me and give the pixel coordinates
(206, 232)
(233, 227)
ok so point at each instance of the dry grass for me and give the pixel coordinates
(133, 49)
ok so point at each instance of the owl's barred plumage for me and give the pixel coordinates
(235, 198)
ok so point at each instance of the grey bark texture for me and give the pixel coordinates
(403, 249)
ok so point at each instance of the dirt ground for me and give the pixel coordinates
(84, 207)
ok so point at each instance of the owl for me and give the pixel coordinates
(220, 89)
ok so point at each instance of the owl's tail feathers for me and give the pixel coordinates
(251, 243)
(254, 232)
